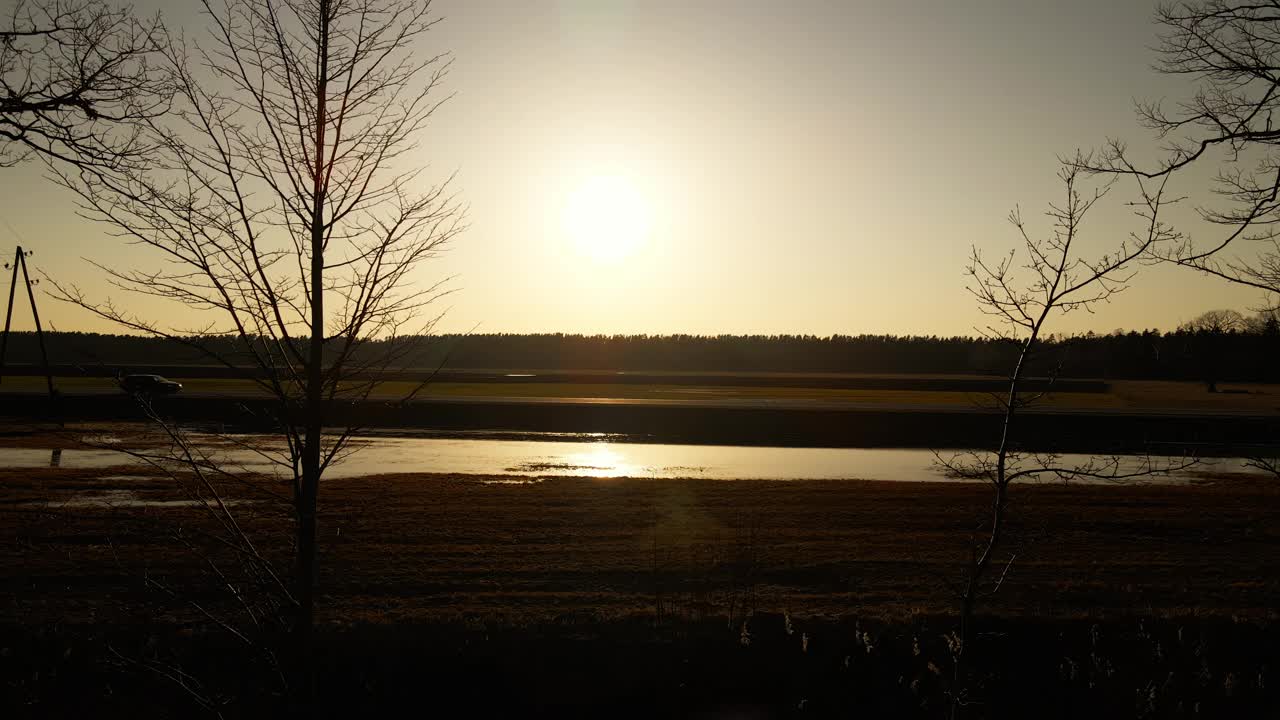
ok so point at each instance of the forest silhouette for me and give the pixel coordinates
(1178, 355)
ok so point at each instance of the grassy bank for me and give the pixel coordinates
(642, 598)
(439, 547)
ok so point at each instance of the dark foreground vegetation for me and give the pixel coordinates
(641, 598)
(1201, 354)
(1186, 667)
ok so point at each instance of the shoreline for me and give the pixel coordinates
(1206, 436)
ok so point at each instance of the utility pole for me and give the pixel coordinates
(8, 315)
(20, 261)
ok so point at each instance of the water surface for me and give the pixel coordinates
(602, 458)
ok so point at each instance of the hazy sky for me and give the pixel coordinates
(775, 167)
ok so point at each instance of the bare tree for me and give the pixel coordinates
(79, 79)
(286, 206)
(1021, 292)
(1232, 49)
(1206, 332)
(1217, 322)
(1263, 321)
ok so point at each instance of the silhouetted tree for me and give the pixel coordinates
(79, 79)
(1207, 331)
(291, 234)
(1217, 322)
(1262, 322)
(1021, 293)
(1230, 48)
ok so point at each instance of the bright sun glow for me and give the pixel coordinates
(607, 217)
(602, 461)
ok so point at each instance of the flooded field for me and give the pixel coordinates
(601, 456)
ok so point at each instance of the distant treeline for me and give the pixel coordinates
(1186, 354)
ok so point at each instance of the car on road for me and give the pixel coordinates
(149, 385)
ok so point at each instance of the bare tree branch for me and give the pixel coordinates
(79, 81)
(1232, 49)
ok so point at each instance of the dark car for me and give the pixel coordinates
(149, 385)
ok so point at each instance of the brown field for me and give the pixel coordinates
(440, 548)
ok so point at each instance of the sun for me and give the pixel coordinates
(607, 218)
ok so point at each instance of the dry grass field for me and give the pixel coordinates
(520, 550)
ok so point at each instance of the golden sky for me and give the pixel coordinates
(743, 167)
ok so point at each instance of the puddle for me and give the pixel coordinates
(101, 440)
(120, 499)
(73, 459)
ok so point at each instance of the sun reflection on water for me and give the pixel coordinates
(601, 460)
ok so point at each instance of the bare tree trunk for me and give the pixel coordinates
(308, 492)
(979, 564)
